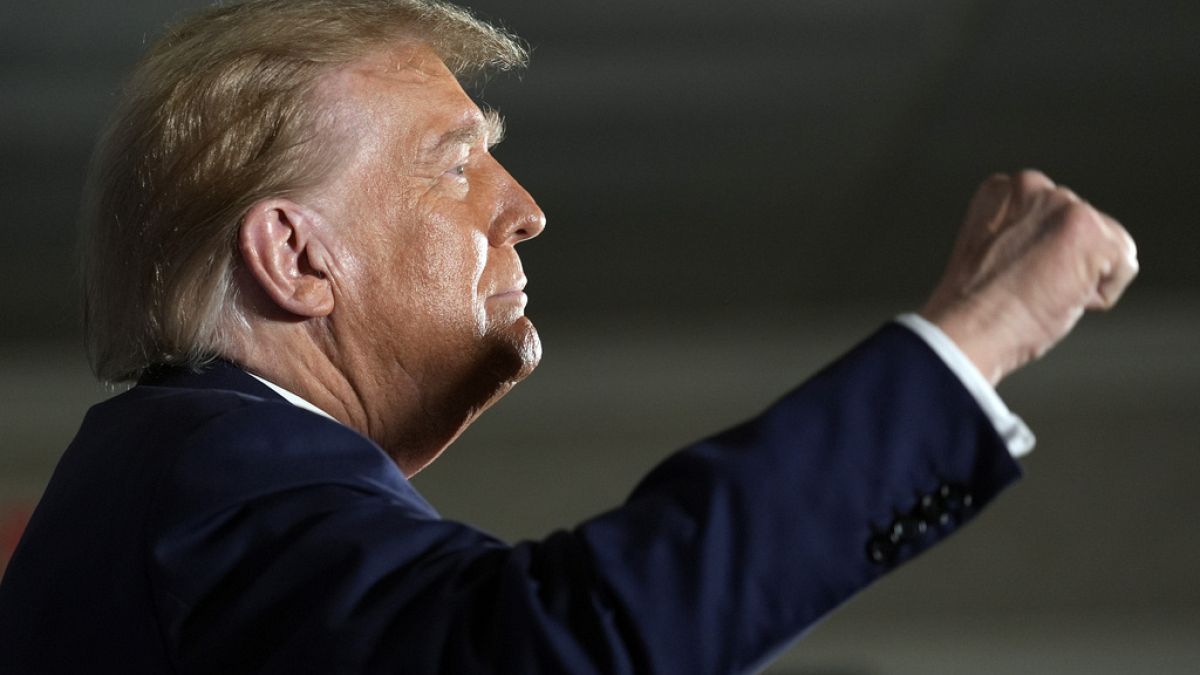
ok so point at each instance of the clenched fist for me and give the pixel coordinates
(1030, 259)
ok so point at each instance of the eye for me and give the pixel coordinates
(460, 170)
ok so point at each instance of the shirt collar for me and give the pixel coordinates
(292, 398)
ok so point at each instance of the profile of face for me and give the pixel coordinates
(428, 287)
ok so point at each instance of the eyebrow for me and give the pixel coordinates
(491, 126)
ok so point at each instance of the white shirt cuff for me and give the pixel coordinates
(1019, 439)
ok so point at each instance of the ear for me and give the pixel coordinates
(281, 246)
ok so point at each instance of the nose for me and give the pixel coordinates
(520, 219)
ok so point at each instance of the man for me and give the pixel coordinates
(303, 252)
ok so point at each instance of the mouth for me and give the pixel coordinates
(515, 293)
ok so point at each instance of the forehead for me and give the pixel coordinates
(403, 90)
(408, 63)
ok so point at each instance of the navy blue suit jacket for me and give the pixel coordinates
(200, 524)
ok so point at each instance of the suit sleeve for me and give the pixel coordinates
(722, 555)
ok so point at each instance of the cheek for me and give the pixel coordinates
(455, 252)
(436, 272)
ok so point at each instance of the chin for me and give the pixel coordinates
(509, 356)
(516, 351)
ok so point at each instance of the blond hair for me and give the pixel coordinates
(221, 113)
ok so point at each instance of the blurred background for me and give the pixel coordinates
(737, 192)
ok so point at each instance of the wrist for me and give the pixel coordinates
(975, 333)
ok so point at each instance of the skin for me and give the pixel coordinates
(391, 297)
(1030, 259)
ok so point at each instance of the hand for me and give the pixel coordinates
(1030, 259)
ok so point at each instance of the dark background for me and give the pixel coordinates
(736, 192)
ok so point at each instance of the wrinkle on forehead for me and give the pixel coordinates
(352, 93)
(411, 63)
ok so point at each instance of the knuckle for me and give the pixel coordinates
(1057, 204)
(1078, 222)
(1067, 193)
(1032, 180)
(1032, 188)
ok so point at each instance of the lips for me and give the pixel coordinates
(515, 293)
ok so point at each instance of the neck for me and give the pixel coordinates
(388, 407)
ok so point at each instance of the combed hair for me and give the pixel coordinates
(221, 113)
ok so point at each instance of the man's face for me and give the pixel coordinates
(428, 288)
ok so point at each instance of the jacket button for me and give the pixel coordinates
(933, 511)
(881, 550)
(954, 497)
(907, 528)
